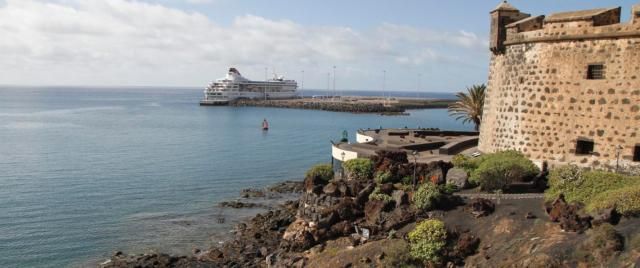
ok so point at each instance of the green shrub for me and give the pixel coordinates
(626, 200)
(322, 172)
(360, 168)
(582, 186)
(563, 180)
(407, 180)
(378, 195)
(464, 162)
(496, 171)
(397, 254)
(449, 188)
(428, 240)
(427, 196)
(384, 177)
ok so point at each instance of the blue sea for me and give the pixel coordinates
(88, 171)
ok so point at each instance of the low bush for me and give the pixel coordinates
(464, 162)
(384, 177)
(582, 186)
(428, 240)
(397, 254)
(378, 195)
(626, 200)
(497, 171)
(563, 180)
(359, 168)
(322, 172)
(603, 242)
(427, 196)
(407, 180)
(449, 188)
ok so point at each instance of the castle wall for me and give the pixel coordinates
(540, 102)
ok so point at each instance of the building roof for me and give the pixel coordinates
(524, 21)
(577, 15)
(504, 6)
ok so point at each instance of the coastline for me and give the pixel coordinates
(350, 104)
(250, 204)
(337, 223)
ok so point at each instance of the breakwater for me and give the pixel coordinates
(350, 105)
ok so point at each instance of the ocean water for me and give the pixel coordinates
(87, 171)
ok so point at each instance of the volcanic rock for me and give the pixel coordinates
(458, 177)
(480, 207)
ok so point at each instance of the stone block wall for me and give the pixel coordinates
(540, 102)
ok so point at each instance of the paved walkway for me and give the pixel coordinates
(501, 196)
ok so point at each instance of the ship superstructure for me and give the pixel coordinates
(234, 86)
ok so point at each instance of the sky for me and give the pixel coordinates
(423, 45)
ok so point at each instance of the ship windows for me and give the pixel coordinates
(584, 146)
(636, 153)
(595, 71)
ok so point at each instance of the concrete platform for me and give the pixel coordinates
(430, 144)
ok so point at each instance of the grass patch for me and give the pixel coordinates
(498, 170)
(626, 200)
(596, 189)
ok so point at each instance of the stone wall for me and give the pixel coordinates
(540, 102)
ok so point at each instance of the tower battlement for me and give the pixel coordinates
(510, 26)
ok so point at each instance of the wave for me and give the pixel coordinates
(37, 125)
(59, 112)
(152, 104)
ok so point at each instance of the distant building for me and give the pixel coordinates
(564, 88)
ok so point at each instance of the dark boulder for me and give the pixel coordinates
(252, 193)
(567, 215)
(343, 228)
(609, 215)
(387, 188)
(363, 195)
(311, 184)
(480, 207)
(400, 197)
(331, 189)
(398, 218)
(373, 210)
(458, 177)
(347, 210)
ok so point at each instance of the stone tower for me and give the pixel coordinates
(564, 88)
(502, 15)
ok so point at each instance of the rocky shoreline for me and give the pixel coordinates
(355, 222)
(262, 225)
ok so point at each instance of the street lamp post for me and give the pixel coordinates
(342, 166)
(384, 81)
(415, 161)
(334, 81)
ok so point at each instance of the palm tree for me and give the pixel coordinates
(468, 107)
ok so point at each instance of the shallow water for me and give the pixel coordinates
(87, 171)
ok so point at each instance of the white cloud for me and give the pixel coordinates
(117, 42)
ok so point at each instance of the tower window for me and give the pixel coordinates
(636, 153)
(595, 71)
(584, 147)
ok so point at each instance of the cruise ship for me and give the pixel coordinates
(235, 86)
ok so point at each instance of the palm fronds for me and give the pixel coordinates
(468, 107)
